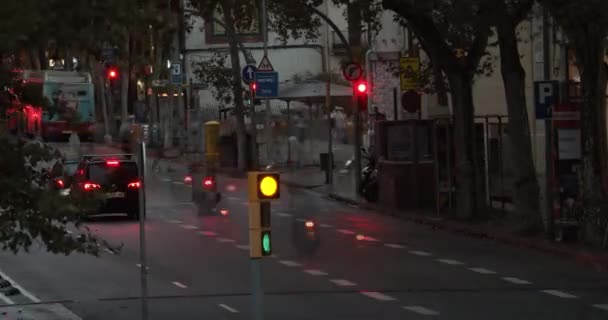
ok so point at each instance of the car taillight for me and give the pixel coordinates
(134, 185)
(59, 183)
(309, 224)
(208, 182)
(112, 163)
(91, 186)
(188, 180)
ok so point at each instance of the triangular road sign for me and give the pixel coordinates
(265, 65)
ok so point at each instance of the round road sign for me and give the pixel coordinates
(352, 71)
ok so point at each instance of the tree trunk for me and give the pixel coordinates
(237, 89)
(590, 60)
(468, 184)
(525, 185)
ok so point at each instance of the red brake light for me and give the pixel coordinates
(91, 186)
(208, 182)
(112, 163)
(134, 185)
(60, 183)
(224, 212)
(188, 180)
(309, 224)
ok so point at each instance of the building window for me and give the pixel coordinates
(247, 30)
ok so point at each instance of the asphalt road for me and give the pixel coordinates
(365, 266)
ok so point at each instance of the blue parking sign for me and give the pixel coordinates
(267, 84)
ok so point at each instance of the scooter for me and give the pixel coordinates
(369, 179)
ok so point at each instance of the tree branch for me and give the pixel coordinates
(335, 28)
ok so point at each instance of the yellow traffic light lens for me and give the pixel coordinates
(268, 186)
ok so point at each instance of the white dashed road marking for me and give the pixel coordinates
(371, 239)
(377, 295)
(174, 221)
(323, 225)
(343, 282)
(207, 233)
(177, 182)
(243, 247)
(421, 310)
(450, 262)
(183, 286)
(482, 270)
(225, 240)
(189, 227)
(228, 308)
(516, 280)
(290, 263)
(24, 292)
(601, 306)
(344, 231)
(394, 246)
(283, 214)
(420, 253)
(560, 294)
(315, 272)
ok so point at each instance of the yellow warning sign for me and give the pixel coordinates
(409, 68)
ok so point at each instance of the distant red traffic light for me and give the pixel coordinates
(362, 88)
(112, 74)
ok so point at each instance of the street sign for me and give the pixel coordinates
(409, 69)
(352, 71)
(267, 84)
(265, 65)
(546, 95)
(176, 73)
(248, 73)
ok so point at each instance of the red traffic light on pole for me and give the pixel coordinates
(361, 90)
(112, 74)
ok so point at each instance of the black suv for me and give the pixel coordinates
(115, 178)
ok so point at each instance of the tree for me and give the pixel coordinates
(586, 26)
(508, 15)
(31, 212)
(446, 31)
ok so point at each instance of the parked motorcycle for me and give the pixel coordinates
(369, 178)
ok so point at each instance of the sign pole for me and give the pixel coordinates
(357, 141)
(143, 271)
(548, 131)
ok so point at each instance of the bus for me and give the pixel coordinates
(72, 103)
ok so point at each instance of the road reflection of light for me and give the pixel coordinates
(224, 212)
(309, 224)
(231, 187)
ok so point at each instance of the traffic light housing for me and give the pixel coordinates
(262, 188)
(361, 90)
(112, 73)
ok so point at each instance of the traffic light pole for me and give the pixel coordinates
(142, 232)
(357, 141)
(256, 288)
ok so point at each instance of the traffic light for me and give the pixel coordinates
(112, 73)
(262, 187)
(361, 90)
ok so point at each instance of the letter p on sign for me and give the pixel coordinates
(546, 95)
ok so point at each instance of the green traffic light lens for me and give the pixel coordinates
(266, 243)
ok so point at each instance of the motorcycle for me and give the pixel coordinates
(369, 178)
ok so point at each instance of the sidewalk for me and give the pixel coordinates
(342, 188)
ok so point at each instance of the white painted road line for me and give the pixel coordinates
(283, 214)
(394, 246)
(6, 299)
(290, 263)
(516, 280)
(324, 225)
(420, 253)
(177, 182)
(174, 221)
(377, 295)
(183, 286)
(228, 308)
(451, 262)
(207, 233)
(315, 272)
(343, 282)
(421, 310)
(225, 240)
(560, 294)
(344, 231)
(300, 220)
(243, 246)
(24, 292)
(601, 306)
(189, 227)
(371, 239)
(482, 270)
